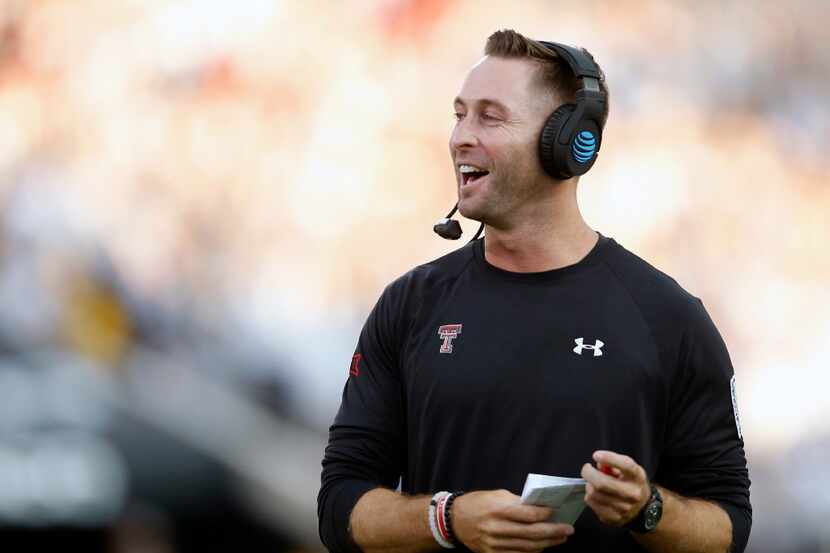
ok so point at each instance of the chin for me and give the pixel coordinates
(469, 210)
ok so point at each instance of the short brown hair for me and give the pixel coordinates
(555, 74)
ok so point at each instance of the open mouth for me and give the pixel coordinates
(470, 174)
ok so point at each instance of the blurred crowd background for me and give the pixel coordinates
(200, 201)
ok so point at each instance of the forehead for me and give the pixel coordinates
(510, 81)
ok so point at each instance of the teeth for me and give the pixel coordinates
(469, 169)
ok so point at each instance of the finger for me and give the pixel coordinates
(627, 466)
(596, 481)
(605, 513)
(617, 504)
(603, 500)
(601, 481)
(609, 470)
(596, 495)
(527, 513)
(609, 510)
(599, 505)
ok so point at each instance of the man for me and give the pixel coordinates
(542, 348)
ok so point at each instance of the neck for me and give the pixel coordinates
(549, 234)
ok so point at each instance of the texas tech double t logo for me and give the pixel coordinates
(448, 333)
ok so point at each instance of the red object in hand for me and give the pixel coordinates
(606, 469)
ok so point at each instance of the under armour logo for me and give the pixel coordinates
(448, 333)
(596, 347)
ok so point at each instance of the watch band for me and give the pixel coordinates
(648, 517)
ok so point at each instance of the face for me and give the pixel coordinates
(499, 115)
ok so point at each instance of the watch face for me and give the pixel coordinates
(652, 515)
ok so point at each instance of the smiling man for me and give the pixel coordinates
(543, 347)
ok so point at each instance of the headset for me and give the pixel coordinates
(572, 135)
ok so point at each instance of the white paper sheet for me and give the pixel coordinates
(565, 495)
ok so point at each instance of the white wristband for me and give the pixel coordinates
(433, 523)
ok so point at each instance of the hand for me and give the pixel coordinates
(618, 497)
(497, 521)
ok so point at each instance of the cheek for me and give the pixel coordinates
(517, 159)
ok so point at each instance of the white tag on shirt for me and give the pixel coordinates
(735, 407)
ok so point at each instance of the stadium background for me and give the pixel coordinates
(201, 200)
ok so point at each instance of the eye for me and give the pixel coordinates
(458, 116)
(489, 117)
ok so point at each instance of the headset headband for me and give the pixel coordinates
(590, 99)
(580, 64)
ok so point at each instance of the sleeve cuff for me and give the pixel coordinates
(741, 524)
(339, 538)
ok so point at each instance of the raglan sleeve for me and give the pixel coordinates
(704, 450)
(366, 446)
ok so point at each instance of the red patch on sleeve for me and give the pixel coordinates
(354, 370)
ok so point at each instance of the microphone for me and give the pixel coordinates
(447, 228)
(450, 229)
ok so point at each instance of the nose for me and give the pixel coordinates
(463, 135)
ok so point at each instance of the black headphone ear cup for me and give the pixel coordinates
(548, 141)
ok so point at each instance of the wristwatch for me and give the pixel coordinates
(647, 519)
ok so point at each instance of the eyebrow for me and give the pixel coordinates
(484, 102)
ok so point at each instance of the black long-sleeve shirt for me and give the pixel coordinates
(469, 377)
